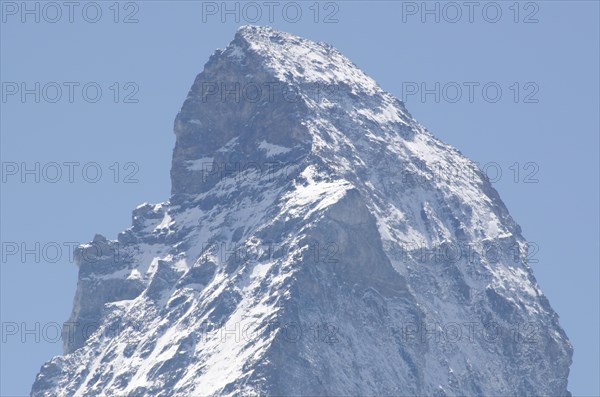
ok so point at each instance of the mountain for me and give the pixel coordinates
(318, 241)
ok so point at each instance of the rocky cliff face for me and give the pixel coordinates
(318, 241)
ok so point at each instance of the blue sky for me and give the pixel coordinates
(514, 88)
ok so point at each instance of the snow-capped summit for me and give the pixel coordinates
(318, 241)
(299, 61)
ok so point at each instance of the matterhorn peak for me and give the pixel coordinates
(318, 241)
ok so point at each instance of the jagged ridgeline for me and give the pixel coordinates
(310, 247)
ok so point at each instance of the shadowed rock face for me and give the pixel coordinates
(234, 101)
(318, 241)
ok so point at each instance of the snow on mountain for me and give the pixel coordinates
(318, 241)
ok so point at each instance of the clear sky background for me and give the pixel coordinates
(554, 197)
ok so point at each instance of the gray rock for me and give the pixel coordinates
(321, 243)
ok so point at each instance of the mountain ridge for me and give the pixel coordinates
(331, 194)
